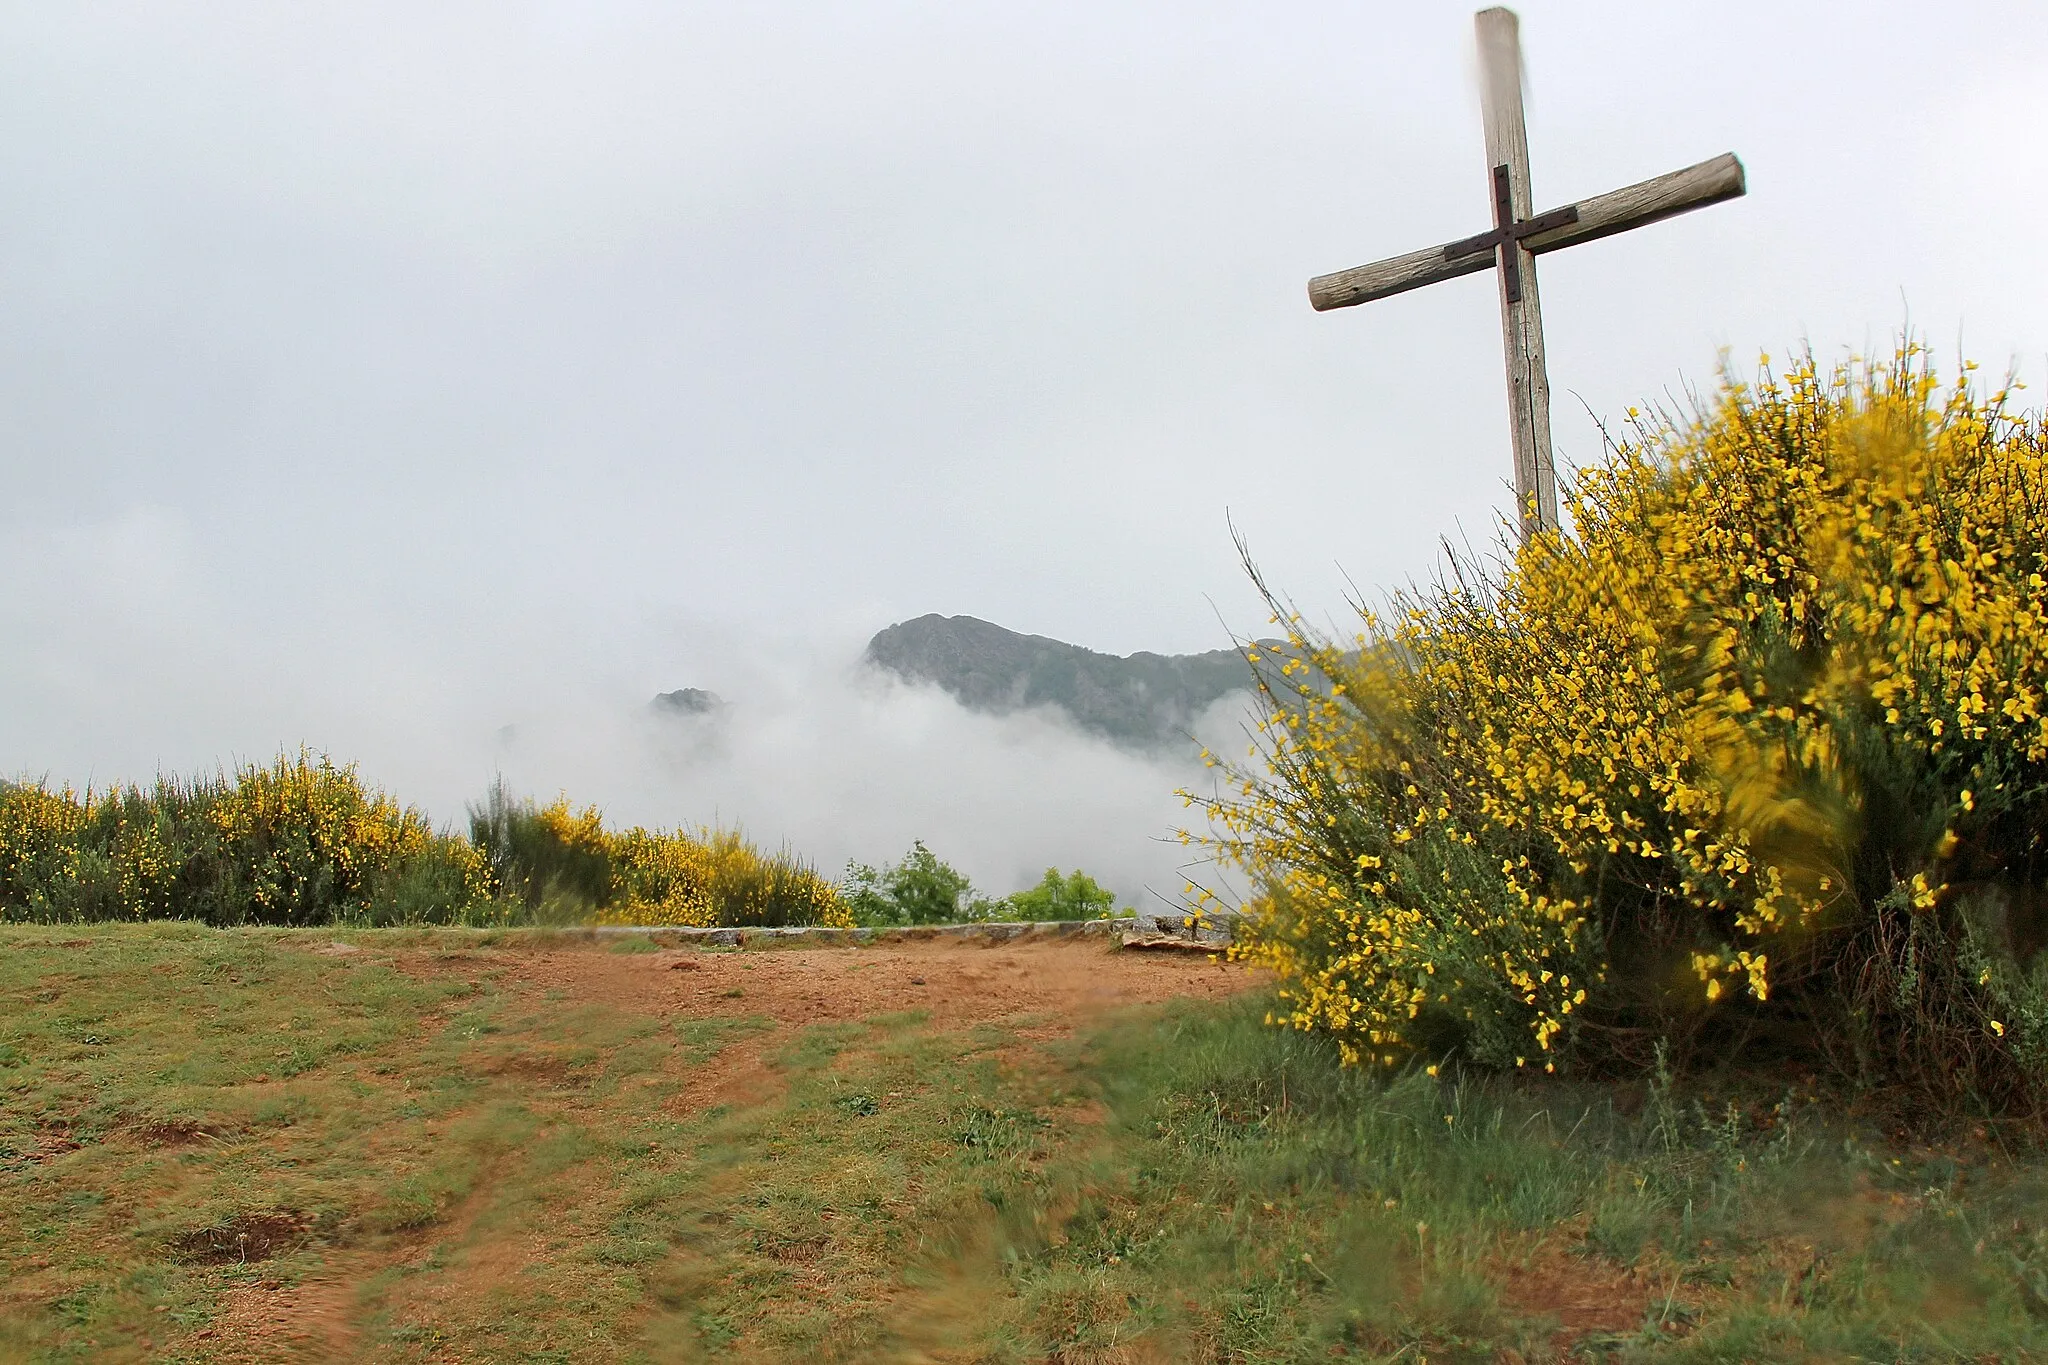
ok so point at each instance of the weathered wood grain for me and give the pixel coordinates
(1396, 275)
(1664, 196)
(1521, 311)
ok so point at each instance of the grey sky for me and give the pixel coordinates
(375, 375)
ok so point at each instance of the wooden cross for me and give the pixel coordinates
(1516, 240)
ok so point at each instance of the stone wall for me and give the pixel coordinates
(1214, 927)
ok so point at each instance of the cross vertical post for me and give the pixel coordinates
(1521, 312)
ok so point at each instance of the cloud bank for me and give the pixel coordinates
(143, 661)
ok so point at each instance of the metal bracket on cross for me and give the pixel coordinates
(1508, 232)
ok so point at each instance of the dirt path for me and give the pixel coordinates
(956, 983)
(1038, 990)
(1042, 990)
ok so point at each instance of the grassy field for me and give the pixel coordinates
(455, 1145)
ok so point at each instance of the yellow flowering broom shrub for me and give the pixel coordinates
(299, 841)
(558, 855)
(39, 853)
(715, 877)
(1758, 753)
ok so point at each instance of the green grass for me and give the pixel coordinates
(1309, 1209)
(489, 1173)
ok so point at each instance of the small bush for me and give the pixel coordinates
(1756, 757)
(562, 863)
(716, 877)
(555, 866)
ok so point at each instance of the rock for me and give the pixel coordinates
(687, 701)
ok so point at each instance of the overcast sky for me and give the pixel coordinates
(379, 375)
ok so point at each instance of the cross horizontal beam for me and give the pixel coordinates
(1695, 187)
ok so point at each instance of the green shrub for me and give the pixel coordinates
(921, 888)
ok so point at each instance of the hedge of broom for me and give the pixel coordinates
(304, 841)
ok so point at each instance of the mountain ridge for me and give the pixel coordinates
(1143, 700)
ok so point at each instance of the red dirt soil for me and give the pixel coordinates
(955, 982)
(1042, 990)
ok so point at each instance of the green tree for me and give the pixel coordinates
(918, 889)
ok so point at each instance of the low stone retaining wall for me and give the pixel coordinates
(1213, 927)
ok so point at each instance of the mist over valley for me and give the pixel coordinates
(1005, 753)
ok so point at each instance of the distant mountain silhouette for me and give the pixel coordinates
(687, 701)
(1143, 700)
